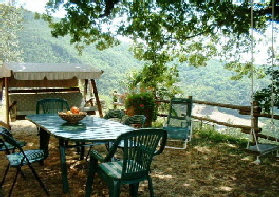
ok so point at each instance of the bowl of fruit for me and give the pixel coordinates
(73, 116)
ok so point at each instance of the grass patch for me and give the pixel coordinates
(211, 136)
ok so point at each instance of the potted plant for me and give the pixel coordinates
(142, 103)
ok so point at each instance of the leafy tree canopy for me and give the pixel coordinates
(165, 30)
(166, 27)
(269, 96)
(11, 23)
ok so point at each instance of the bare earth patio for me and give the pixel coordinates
(204, 169)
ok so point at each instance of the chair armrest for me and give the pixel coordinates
(159, 151)
(96, 155)
(162, 145)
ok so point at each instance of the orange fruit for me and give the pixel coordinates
(75, 110)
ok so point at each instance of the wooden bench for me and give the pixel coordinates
(22, 104)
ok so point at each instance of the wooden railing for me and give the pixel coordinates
(242, 110)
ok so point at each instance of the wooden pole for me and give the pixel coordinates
(85, 89)
(221, 105)
(221, 123)
(7, 101)
(95, 91)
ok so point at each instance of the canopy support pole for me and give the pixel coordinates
(85, 89)
(7, 101)
(95, 91)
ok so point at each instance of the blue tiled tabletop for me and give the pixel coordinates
(89, 129)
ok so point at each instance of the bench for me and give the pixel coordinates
(23, 104)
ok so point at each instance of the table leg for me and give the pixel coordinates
(82, 149)
(63, 166)
(44, 142)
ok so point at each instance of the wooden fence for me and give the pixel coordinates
(242, 110)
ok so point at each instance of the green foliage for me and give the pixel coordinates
(164, 31)
(142, 102)
(11, 23)
(269, 97)
(213, 83)
(244, 69)
(210, 83)
(159, 123)
(83, 24)
(38, 45)
(162, 82)
(211, 135)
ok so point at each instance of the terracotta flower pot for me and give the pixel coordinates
(130, 111)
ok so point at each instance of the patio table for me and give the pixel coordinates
(90, 129)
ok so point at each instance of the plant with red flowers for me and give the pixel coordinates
(142, 104)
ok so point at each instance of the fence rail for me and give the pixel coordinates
(242, 110)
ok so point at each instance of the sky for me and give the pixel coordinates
(36, 6)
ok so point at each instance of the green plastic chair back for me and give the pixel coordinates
(22, 158)
(111, 114)
(52, 106)
(114, 114)
(140, 146)
(179, 124)
(5, 146)
(135, 121)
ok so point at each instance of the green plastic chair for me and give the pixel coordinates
(8, 148)
(179, 124)
(135, 166)
(115, 114)
(19, 159)
(136, 121)
(111, 114)
(52, 106)
(4, 146)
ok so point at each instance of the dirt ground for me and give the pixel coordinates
(204, 169)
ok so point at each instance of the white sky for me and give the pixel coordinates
(36, 6)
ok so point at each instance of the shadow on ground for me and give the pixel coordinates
(204, 169)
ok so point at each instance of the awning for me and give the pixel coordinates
(47, 75)
(50, 71)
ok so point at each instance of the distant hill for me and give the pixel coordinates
(213, 83)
